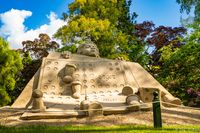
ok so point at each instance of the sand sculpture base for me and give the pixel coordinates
(56, 107)
(66, 81)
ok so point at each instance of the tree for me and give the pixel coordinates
(186, 5)
(158, 38)
(164, 36)
(10, 65)
(180, 71)
(108, 23)
(39, 48)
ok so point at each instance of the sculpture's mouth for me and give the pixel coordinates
(94, 53)
(93, 50)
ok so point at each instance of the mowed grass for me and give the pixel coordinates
(94, 129)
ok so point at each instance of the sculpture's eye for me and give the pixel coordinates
(87, 46)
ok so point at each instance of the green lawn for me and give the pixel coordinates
(92, 129)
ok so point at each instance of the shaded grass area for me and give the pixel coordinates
(94, 129)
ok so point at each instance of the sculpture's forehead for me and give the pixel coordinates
(88, 45)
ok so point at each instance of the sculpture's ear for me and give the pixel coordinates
(78, 51)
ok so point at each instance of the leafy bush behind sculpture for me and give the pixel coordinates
(181, 71)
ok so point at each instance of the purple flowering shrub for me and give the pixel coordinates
(193, 97)
(192, 93)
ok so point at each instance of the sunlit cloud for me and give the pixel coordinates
(14, 30)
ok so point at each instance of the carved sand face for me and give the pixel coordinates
(88, 49)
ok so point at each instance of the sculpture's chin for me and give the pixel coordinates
(90, 54)
(93, 54)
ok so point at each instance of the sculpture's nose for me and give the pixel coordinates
(93, 48)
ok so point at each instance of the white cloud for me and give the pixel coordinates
(14, 30)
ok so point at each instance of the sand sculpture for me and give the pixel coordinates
(85, 84)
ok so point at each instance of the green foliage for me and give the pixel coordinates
(71, 48)
(167, 52)
(99, 9)
(26, 58)
(187, 5)
(108, 24)
(181, 67)
(10, 65)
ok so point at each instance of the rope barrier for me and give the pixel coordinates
(181, 106)
(105, 108)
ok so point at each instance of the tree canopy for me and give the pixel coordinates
(10, 65)
(158, 38)
(187, 5)
(39, 48)
(108, 24)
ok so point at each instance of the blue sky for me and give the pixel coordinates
(29, 17)
(39, 8)
(161, 12)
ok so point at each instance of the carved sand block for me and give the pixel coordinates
(68, 72)
(133, 102)
(146, 94)
(38, 104)
(169, 99)
(95, 109)
(84, 105)
(91, 108)
(128, 90)
(76, 89)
